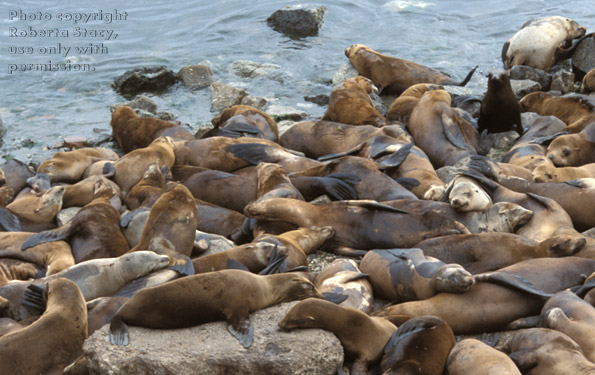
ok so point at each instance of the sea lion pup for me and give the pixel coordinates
(238, 120)
(94, 232)
(148, 189)
(440, 132)
(575, 110)
(53, 256)
(81, 193)
(588, 83)
(482, 252)
(69, 166)
(359, 225)
(228, 294)
(543, 351)
(254, 256)
(420, 346)
(547, 172)
(573, 150)
(131, 167)
(489, 306)
(500, 110)
(401, 108)
(132, 132)
(363, 337)
(471, 356)
(393, 75)
(465, 194)
(56, 338)
(350, 103)
(39, 208)
(408, 275)
(539, 42)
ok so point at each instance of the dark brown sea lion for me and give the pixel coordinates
(69, 166)
(572, 150)
(500, 110)
(363, 337)
(471, 356)
(238, 120)
(203, 298)
(218, 220)
(54, 340)
(351, 104)
(132, 132)
(420, 346)
(393, 75)
(408, 275)
(575, 110)
(401, 108)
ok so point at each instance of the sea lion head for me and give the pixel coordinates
(564, 245)
(304, 314)
(452, 278)
(349, 51)
(545, 172)
(51, 200)
(142, 262)
(507, 217)
(297, 288)
(532, 102)
(564, 150)
(467, 196)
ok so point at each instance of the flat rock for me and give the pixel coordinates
(281, 112)
(65, 215)
(524, 87)
(583, 58)
(211, 243)
(522, 72)
(297, 20)
(196, 76)
(145, 79)
(211, 349)
(223, 96)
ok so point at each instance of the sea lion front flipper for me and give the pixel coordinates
(255, 153)
(239, 325)
(9, 221)
(338, 186)
(579, 183)
(585, 288)
(396, 158)
(128, 216)
(373, 205)
(513, 281)
(277, 260)
(353, 151)
(348, 251)
(546, 140)
(407, 182)
(50, 235)
(118, 332)
(240, 129)
(335, 298)
(453, 133)
(36, 297)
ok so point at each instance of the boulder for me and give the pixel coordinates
(297, 20)
(252, 69)
(140, 102)
(563, 81)
(345, 71)
(66, 214)
(524, 87)
(211, 349)
(583, 58)
(522, 72)
(254, 101)
(139, 80)
(210, 243)
(281, 112)
(196, 76)
(320, 99)
(2, 131)
(223, 96)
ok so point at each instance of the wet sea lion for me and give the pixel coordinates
(500, 110)
(238, 120)
(393, 75)
(132, 132)
(363, 337)
(575, 110)
(539, 42)
(573, 150)
(38, 208)
(203, 298)
(351, 104)
(69, 166)
(473, 356)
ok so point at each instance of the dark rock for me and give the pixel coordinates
(320, 99)
(522, 72)
(280, 112)
(139, 80)
(196, 76)
(297, 20)
(583, 58)
(140, 102)
(563, 81)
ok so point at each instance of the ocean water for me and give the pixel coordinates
(39, 108)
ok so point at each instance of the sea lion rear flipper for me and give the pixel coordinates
(453, 133)
(118, 332)
(128, 216)
(36, 297)
(541, 200)
(407, 182)
(335, 298)
(240, 129)
(255, 153)
(513, 281)
(239, 325)
(50, 235)
(526, 322)
(468, 77)
(277, 261)
(396, 158)
(181, 264)
(9, 221)
(338, 186)
(577, 183)
(353, 151)
(348, 251)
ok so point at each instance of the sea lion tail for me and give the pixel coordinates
(118, 332)
(468, 77)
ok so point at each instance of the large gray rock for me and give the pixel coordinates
(196, 76)
(254, 101)
(583, 58)
(524, 87)
(522, 72)
(345, 71)
(211, 349)
(140, 102)
(563, 81)
(297, 20)
(139, 80)
(2, 130)
(223, 96)
(253, 69)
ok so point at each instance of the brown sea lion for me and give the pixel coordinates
(100, 311)
(500, 110)
(393, 75)
(218, 220)
(238, 120)
(573, 150)
(547, 172)
(132, 132)
(401, 108)
(273, 182)
(539, 42)
(440, 132)
(38, 207)
(473, 356)
(53, 256)
(148, 189)
(12, 269)
(254, 256)
(588, 83)
(351, 104)
(363, 337)
(465, 194)
(575, 110)
(420, 346)
(56, 338)
(16, 174)
(203, 298)
(100, 168)
(81, 193)
(70, 166)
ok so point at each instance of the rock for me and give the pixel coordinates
(139, 80)
(223, 96)
(252, 69)
(524, 87)
(196, 76)
(583, 58)
(528, 118)
(254, 101)
(65, 215)
(377, 102)
(345, 71)
(456, 91)
(297, 20)
(522, 72)
(134, 230)
(468, 103)
(280, 112)
(320, 99)
(563, 81)
(74, 141)
(2, 131)
(211, 349)
(283, 125)
(211, 243)
(140, 102)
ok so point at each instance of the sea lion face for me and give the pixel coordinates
(143, 262)
(563, 151)
(360, 83)
(353, 49)
(563, 245)
(303, 315)
(452, 278)
(545, 172)
(466, 196)
(301, 288)
(51, 199)
(532, 102)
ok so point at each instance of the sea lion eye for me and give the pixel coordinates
(547, 175)
(565, 152)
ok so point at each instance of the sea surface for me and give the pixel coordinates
(40, 108)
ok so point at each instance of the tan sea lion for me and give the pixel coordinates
(12, 269)
(351, 104)
(148, 189)
(573, 150)
(539, 42)
(254, 256)
(547, 172)
(53, 256)
(401, 108)
(575, 110)
(393, 75)
(465, 194)
(238, 120)
(473, 356)
(588, 83)
(363, 337)
(70, 166)
(132, 132)
(81, 193)
(500, 110)
(38, 208)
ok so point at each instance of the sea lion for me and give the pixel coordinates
(500, 110)
(420, 346)
(543, 351)
(132, 132)
(547, 172)
(465, 194)
(408, 275)
(55, 339)
(539, 42)
(573, 150)
(240, 120)
(12, 269)
(401, 108)
(69, 166)
(254, 256)
(473, 356)
(350, 103)
(100, 311)
(273, 182)
(588, 82)
(148, 189)
(575, 110)
(100, 168)
(218, 220)
(440, 132)
(53, 256)
(393, 75)
(203, 298)
(16, 174)
(363, 337)
(81, 193)
(38, 208)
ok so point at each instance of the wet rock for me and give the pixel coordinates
(140, 102)
(524, 87)
(223, 96)
(2, 131)
(522, 72)
(345, 71)
(297, 20)
(196, 76)
(377, 102)
(254, 101)
(252, 69)
(320, 99)
(65, 215)
(583, 58)
(563, 81)
(74, 141)
(456, 91)
(528, 118)
(139, 80)
(280, 112)
(211, 349)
